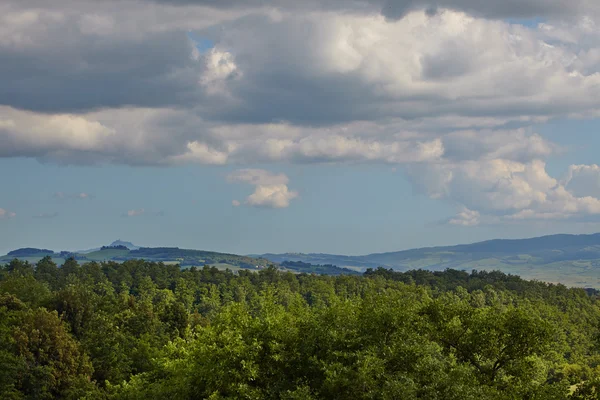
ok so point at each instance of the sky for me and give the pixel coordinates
(284, 126)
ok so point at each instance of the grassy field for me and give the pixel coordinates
(577, 273)
(103, 255)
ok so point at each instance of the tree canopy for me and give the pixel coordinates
(145, 330)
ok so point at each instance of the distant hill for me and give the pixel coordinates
(573, 260)
(129, 245)
(116, 243)
(122, 251)
(30, 252)
(570, 259)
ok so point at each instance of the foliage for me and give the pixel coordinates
(146, 330)
(117, 247)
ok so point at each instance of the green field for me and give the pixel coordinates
(105, 255)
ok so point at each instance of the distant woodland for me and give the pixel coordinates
(146, 330)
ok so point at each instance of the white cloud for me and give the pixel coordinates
(518, 145)
(29, 134)
(236, 203)
(465, 217)
(272, 196)
(286, 86)
(337, 68)
(164, 137)
(306, 67)
(220, 67)
(300, 82)
(201, 153)
(501, 189)
(5, 214)
(135, 213)
(257, 177)
(270, 190)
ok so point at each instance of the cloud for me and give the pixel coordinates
(5, 214)
(316, 68)
(72, 56)
(166, 137)
(395, 9)
(583, 180)
(517, 145)
(80, 196)
(271, 196)
(236, 203)
(497, 190)
(143, 212)
(304, 67)
(257, 177)
(135, 213)
(280, 86)
(270, 190)
(46, 215)
(311, 82)
(465, 217)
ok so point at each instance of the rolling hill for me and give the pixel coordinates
(122, 251)
(570, 259)
(573, 260)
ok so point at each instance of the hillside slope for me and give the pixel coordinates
(570, 259)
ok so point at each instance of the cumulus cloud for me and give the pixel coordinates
(70, 56)
(302, 67)
(517, 145)
(327, 69)
(270, 190)
(5, 214)
(271, 196)
(301, 82)
(165, 137)
(502, 189)
(300, 86)
(465, 217)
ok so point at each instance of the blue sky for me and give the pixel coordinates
(341, 209)
(312, 129)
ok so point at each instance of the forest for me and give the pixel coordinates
(146, 330)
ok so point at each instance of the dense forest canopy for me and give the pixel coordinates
(145, 330)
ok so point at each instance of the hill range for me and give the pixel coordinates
(120, 251)
(573, 260)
